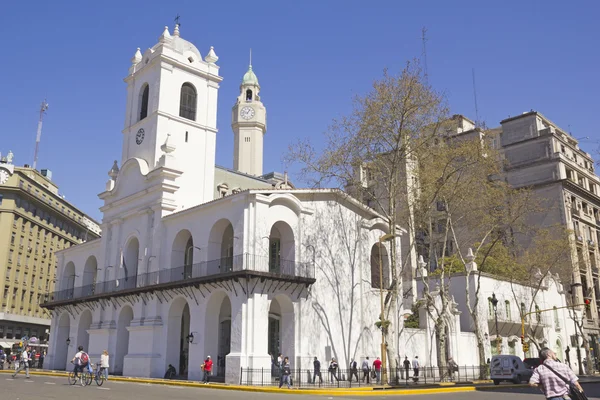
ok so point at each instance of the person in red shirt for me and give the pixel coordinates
(207, 367)
(377, 366)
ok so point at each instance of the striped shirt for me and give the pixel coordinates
(552, 385)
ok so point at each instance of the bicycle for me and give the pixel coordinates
(81, 377)
(98, 375)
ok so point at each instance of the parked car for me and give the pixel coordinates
(506, 367)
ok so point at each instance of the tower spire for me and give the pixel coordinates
(250, 58)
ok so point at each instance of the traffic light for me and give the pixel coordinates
(525, 347)
(587, 304)
(522, 339)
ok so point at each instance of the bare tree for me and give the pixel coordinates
(371, 153)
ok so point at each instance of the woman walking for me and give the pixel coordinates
(104, 364)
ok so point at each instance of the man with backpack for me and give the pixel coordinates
(24, 364)
(81, 361)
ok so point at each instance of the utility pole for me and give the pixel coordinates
(43, 109)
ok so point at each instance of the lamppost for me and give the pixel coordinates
(577, 349)
(384, 325)
(494, 301)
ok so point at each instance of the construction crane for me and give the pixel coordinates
(43, 109)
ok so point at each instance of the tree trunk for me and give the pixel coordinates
(440, 330)
(480, 347)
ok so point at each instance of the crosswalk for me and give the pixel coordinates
(54, 383)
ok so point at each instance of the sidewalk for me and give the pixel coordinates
(361, 391)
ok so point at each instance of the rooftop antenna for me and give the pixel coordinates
(424, 39)
(477, 124)
(43, 109)
(250, 56)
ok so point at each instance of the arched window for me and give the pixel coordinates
(248, 94)
(556, 320)
(144, 101)
(379, 260)
(187, 102)
(507, 310)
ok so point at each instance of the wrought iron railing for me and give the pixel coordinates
(307, 378)
(214, 268)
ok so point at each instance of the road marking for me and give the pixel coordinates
(9, 379)
(50, 383)
(101, 388)
(29, 381)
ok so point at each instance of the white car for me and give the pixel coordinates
(509, 368)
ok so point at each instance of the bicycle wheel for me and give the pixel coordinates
(99, 378)
(72, 378)
(88, 378)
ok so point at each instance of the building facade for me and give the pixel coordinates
(35, 222)
(199, 260)
(542, 156)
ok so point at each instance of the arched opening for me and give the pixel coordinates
(182, 256)
(125, 317)
(220, 247)
(68, 281)
(281, 331)
(178, 329)
(62, 349)
(380, 267)
(559, 350)
(249, 95)
(129, 267)
(282, 249)
(90, 272)
(187, 101)
(83, 337)
(218, 331)
(144, 97)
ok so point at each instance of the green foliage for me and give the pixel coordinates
(413, 320)
(494, 258)
(451, 265)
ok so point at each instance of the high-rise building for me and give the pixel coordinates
(35, 222)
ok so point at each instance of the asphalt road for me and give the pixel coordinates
(45, 387)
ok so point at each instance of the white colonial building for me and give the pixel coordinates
(196, 259)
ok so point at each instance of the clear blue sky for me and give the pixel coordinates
(310, 56)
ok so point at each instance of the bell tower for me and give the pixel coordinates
(249, 124)
(172, 93)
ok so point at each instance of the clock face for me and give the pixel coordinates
(247, 112)
(139, 138)
(3, 176)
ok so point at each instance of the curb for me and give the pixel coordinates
(370, 391)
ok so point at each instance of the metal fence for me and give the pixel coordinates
(213, 268)
(346, 378)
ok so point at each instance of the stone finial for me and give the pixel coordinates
(137, 57)
(167, 147)
(470, 257)
(422, 266)
(211, 57)
(9, 157)
(114, 171)
(165, 35)
(176, 31)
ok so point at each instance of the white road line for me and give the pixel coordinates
(101, 388)
(9, 379)
(50, 383)
(29, 381)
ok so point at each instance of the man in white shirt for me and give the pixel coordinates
(24, 364)
(416, 366)
(80, 360)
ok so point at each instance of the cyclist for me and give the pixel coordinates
(81, 361)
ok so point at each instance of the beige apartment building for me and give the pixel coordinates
(546, 158)
(35, 222)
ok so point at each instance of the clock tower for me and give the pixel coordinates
(249, 124)
(172, 93)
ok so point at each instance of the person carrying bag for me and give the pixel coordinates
(556, 379)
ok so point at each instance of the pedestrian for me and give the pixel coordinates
(2, 358)
(353, 370)
(416, 366)
(333, 366)
(406, 367)
(41, 360)
(207, 368)
(452, 367)
(317, 371)
(286, 372)
(377, 366)
(104, 365)
(365, 369)
(24, 364)
(553, 377)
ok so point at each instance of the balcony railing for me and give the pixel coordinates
(283, 269)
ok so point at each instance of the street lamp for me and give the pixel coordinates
(494, 301)
(68, 341)
(576, 333)
(382, 239)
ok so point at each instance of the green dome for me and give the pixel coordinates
(250, 78)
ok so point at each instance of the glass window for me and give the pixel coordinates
(187, 102)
